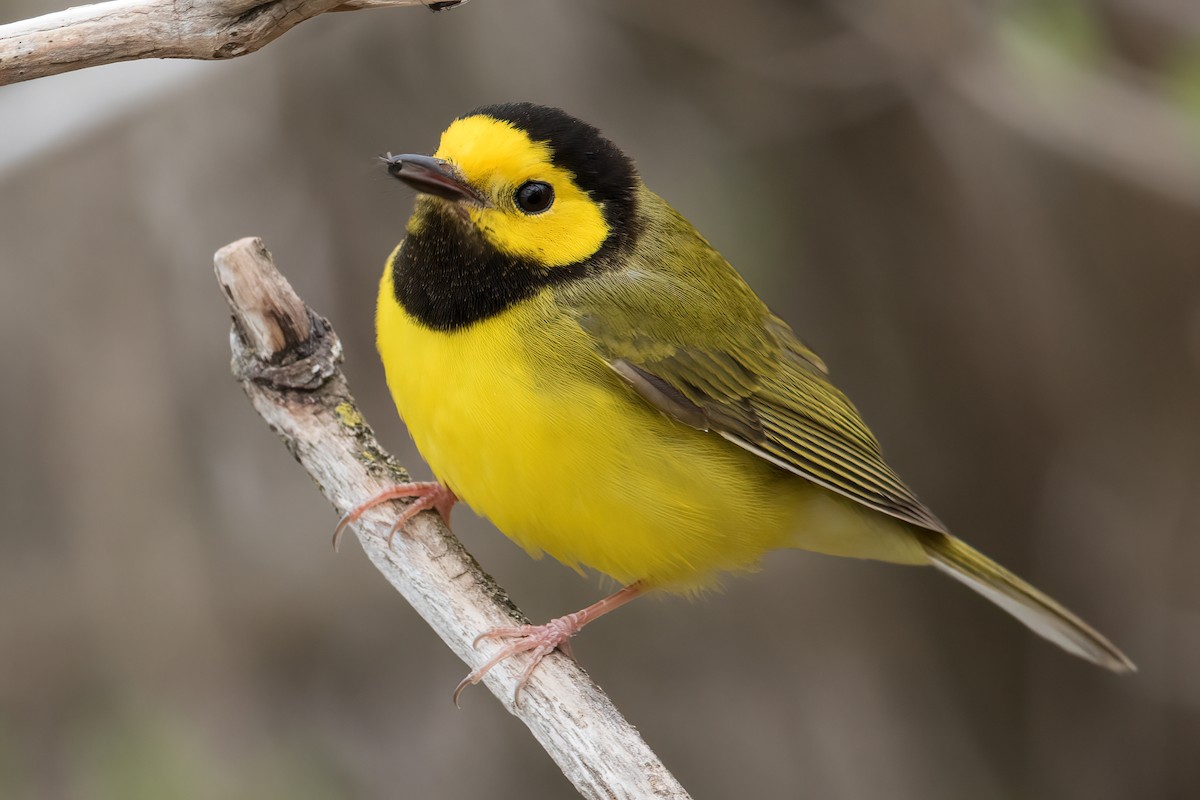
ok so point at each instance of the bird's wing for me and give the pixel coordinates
(729, 366)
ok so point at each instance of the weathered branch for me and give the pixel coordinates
(126, 30)
(286, 359)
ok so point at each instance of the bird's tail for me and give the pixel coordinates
(1042, 614)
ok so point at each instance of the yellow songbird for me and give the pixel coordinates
(580, 366)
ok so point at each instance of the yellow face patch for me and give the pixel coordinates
(497, 159)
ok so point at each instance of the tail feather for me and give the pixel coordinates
(1043, 615)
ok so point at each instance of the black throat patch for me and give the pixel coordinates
(448, 278)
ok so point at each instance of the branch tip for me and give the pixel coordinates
(277, 338)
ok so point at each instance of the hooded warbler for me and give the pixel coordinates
(580, 366)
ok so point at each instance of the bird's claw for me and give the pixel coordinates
(537, 640)
(426, 494)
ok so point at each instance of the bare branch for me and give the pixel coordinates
(126, 30)
(286, 359)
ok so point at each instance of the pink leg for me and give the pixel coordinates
(540, 640)
(428, 494)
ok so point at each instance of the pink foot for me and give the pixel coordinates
(538, 640)
(427, 494)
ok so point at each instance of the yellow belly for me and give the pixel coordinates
(520, 417)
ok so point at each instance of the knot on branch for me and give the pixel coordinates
(276, 339)
(253, 28)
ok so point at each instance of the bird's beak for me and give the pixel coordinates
(431, 176)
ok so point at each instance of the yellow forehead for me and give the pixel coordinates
(496, 158)
(491, 151)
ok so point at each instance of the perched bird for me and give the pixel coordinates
(580, 366)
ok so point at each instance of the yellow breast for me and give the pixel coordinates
(520, 417)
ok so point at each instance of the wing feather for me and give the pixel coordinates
(759, 387)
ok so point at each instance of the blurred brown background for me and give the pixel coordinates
(986, 217)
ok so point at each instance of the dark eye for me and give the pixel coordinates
(534, 197)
